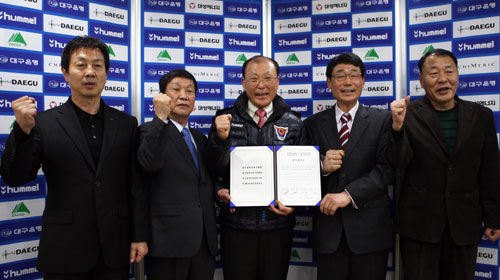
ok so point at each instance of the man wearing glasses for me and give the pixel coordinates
(352, 227)
(255, 241)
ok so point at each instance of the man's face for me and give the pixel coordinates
(86, 73)
(261, 82)
(346, 84)
(182, 95)
(439, 78)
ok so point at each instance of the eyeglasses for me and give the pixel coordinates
(265, 80)
(354, 76)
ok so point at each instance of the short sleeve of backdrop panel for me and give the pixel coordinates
(32, 36)
(470, 29)
(210, 39)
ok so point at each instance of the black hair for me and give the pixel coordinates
(84, 42)
(437, 52)
(345, 58)
(165, 79)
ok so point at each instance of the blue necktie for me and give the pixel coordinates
(192, 149)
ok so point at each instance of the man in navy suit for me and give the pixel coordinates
(353, 227)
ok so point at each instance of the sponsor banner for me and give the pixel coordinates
(484, 242)
(204, 40)
(372, 37)
(20, 209)
(200, 123)
(207, 74)
(67, 7)
(302, 239)
(487, 100)
(163, 20)
(19, 251)
(54, 44)
(487, 256)
(370, 5)
(233, 75)
(303, 223)
(210, 91)
(52, 64)
(304, 107)
(331, 40)
(20, 82)
(232, 91)
(64, 25)
(482, 45)
(298, 58)
(327, 7)
(33, 4)
(415, 88)
(13, 60)
(202, 56)
(379, 71)
(151, 90)
(115, 89)
(294, 25)
(21, 270)
(429, 14)
(23, 40)
(240, 42)
(292, 42)
(417, 51)
(228, 103)
(295, 75)
(475, 27)
(206, 108)
(164, 55)
(204, 7)
(163, 37)
(149, 107)
(319, 74)
(17, 18)
(6, 102)
(117, 52)
(414, 3)
(372, 20)
(484, 272)
(52, 101)
(204, 23)
(331, 22)
(475, 8)
(155, 72)
(292, 9)
(301, 255)
(18, 230)
(3, 140)
(108, 14)
(118, 70)
(242, 9)
(372, 89)
(106, 32)
(237, 58)
(242, 26)
(118, 103)
(479, 84)
(375, 54)
(497, 122)
(413, 69)
(431, 32)
(297, 91)
(6, 121)
(479, 64)
(55, 84)
(171, 5)
(32, 189)
(379, 103)
(321, 91)
(324, 56)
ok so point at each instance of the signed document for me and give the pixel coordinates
(260, 175)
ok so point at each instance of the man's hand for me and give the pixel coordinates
(223, 125)
(492, 234)
(138, 250)
(224, 195)
(25, 111)
(333, 201)
(398, 110)
(332, 161)
(162, 106)
(282, 209)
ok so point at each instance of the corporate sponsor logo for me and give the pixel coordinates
(207, 74)
(417, 51)
(239, 42)
(370, 20)
(332, 39)
(295, 25)
(302, 238)
(31, 4)
(295, 74)
(117, 52)
(297, 91)
(377, 54)
(487, 255)
(20, 18)
(108, 14)
(330, 22)
(293, 58)
(367, 5)
(303, 223)
(22, 270)
(206, 108)
(174, 5)
(303, 107)
(18, 209)
(68, 7)
(201, 123)
(372, 37)
(109, 32)
(301, 255)
(319, 74)
(55, 84)
(24, 40)
(287, 42)
(482, 83)
(34, 188)
(237, 58)
(210, 90)
(487, 100)
(478, 8)
(204, 40)
(481, 45)
(204, 7)
(232, 91)
(204, 23)
(52, 101)
(233, 75)
(20, 230)
(118, 70)
(327, 7)
(20, 82)
(151, 90)
(426, 33)
(379, 103)
(484, 272)
(19, 251)
(292, 9)
(164, 55)
(13, 60)
(6, 102)
(64, 25)
(321, 91)
(323, 56)
(479, 64)
(475, 27)
(163, 20)
(383, 88)
(375, 71)
(115, 89)
(54, 44)
(200, 56)
(416, 89)
(52, 64)
(242, 9)
(162, 37)
(430, 14)
(118, 104)
(244, 26)
(155, 72)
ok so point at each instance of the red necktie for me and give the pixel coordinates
(344, 130)
(261, 113)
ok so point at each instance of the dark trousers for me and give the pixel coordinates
(437, 261)
(198, 267)
(99, 272)
(345, 265)
(255, 255)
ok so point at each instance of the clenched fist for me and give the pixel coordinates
(398, 110)
(162, 106)
(223, 125)
(332, 160)
(25, 111)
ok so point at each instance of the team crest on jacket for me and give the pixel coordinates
(281, 132)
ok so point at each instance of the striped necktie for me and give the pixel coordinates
(344, 130)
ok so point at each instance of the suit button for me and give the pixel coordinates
(97, 183)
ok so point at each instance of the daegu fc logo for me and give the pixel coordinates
(281, 132)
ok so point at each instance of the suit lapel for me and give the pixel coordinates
(429, 118)
(181, 146)
(331, 132)
(200, 151)
(71, 125)
(359, 126)
(465, 115)
(109, 134)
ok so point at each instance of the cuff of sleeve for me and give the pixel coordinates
(19, 134)
(352, 200)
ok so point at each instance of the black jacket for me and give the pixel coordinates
(245, 132)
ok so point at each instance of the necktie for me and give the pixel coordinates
(192, 149)
(344, 130)
(261, 113)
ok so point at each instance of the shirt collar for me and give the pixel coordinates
(81, 114)
(352, 112)
(251, 109)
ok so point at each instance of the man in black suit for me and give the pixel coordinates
(184, 235)
(448, 150)
(95, 202)
(353, 227)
